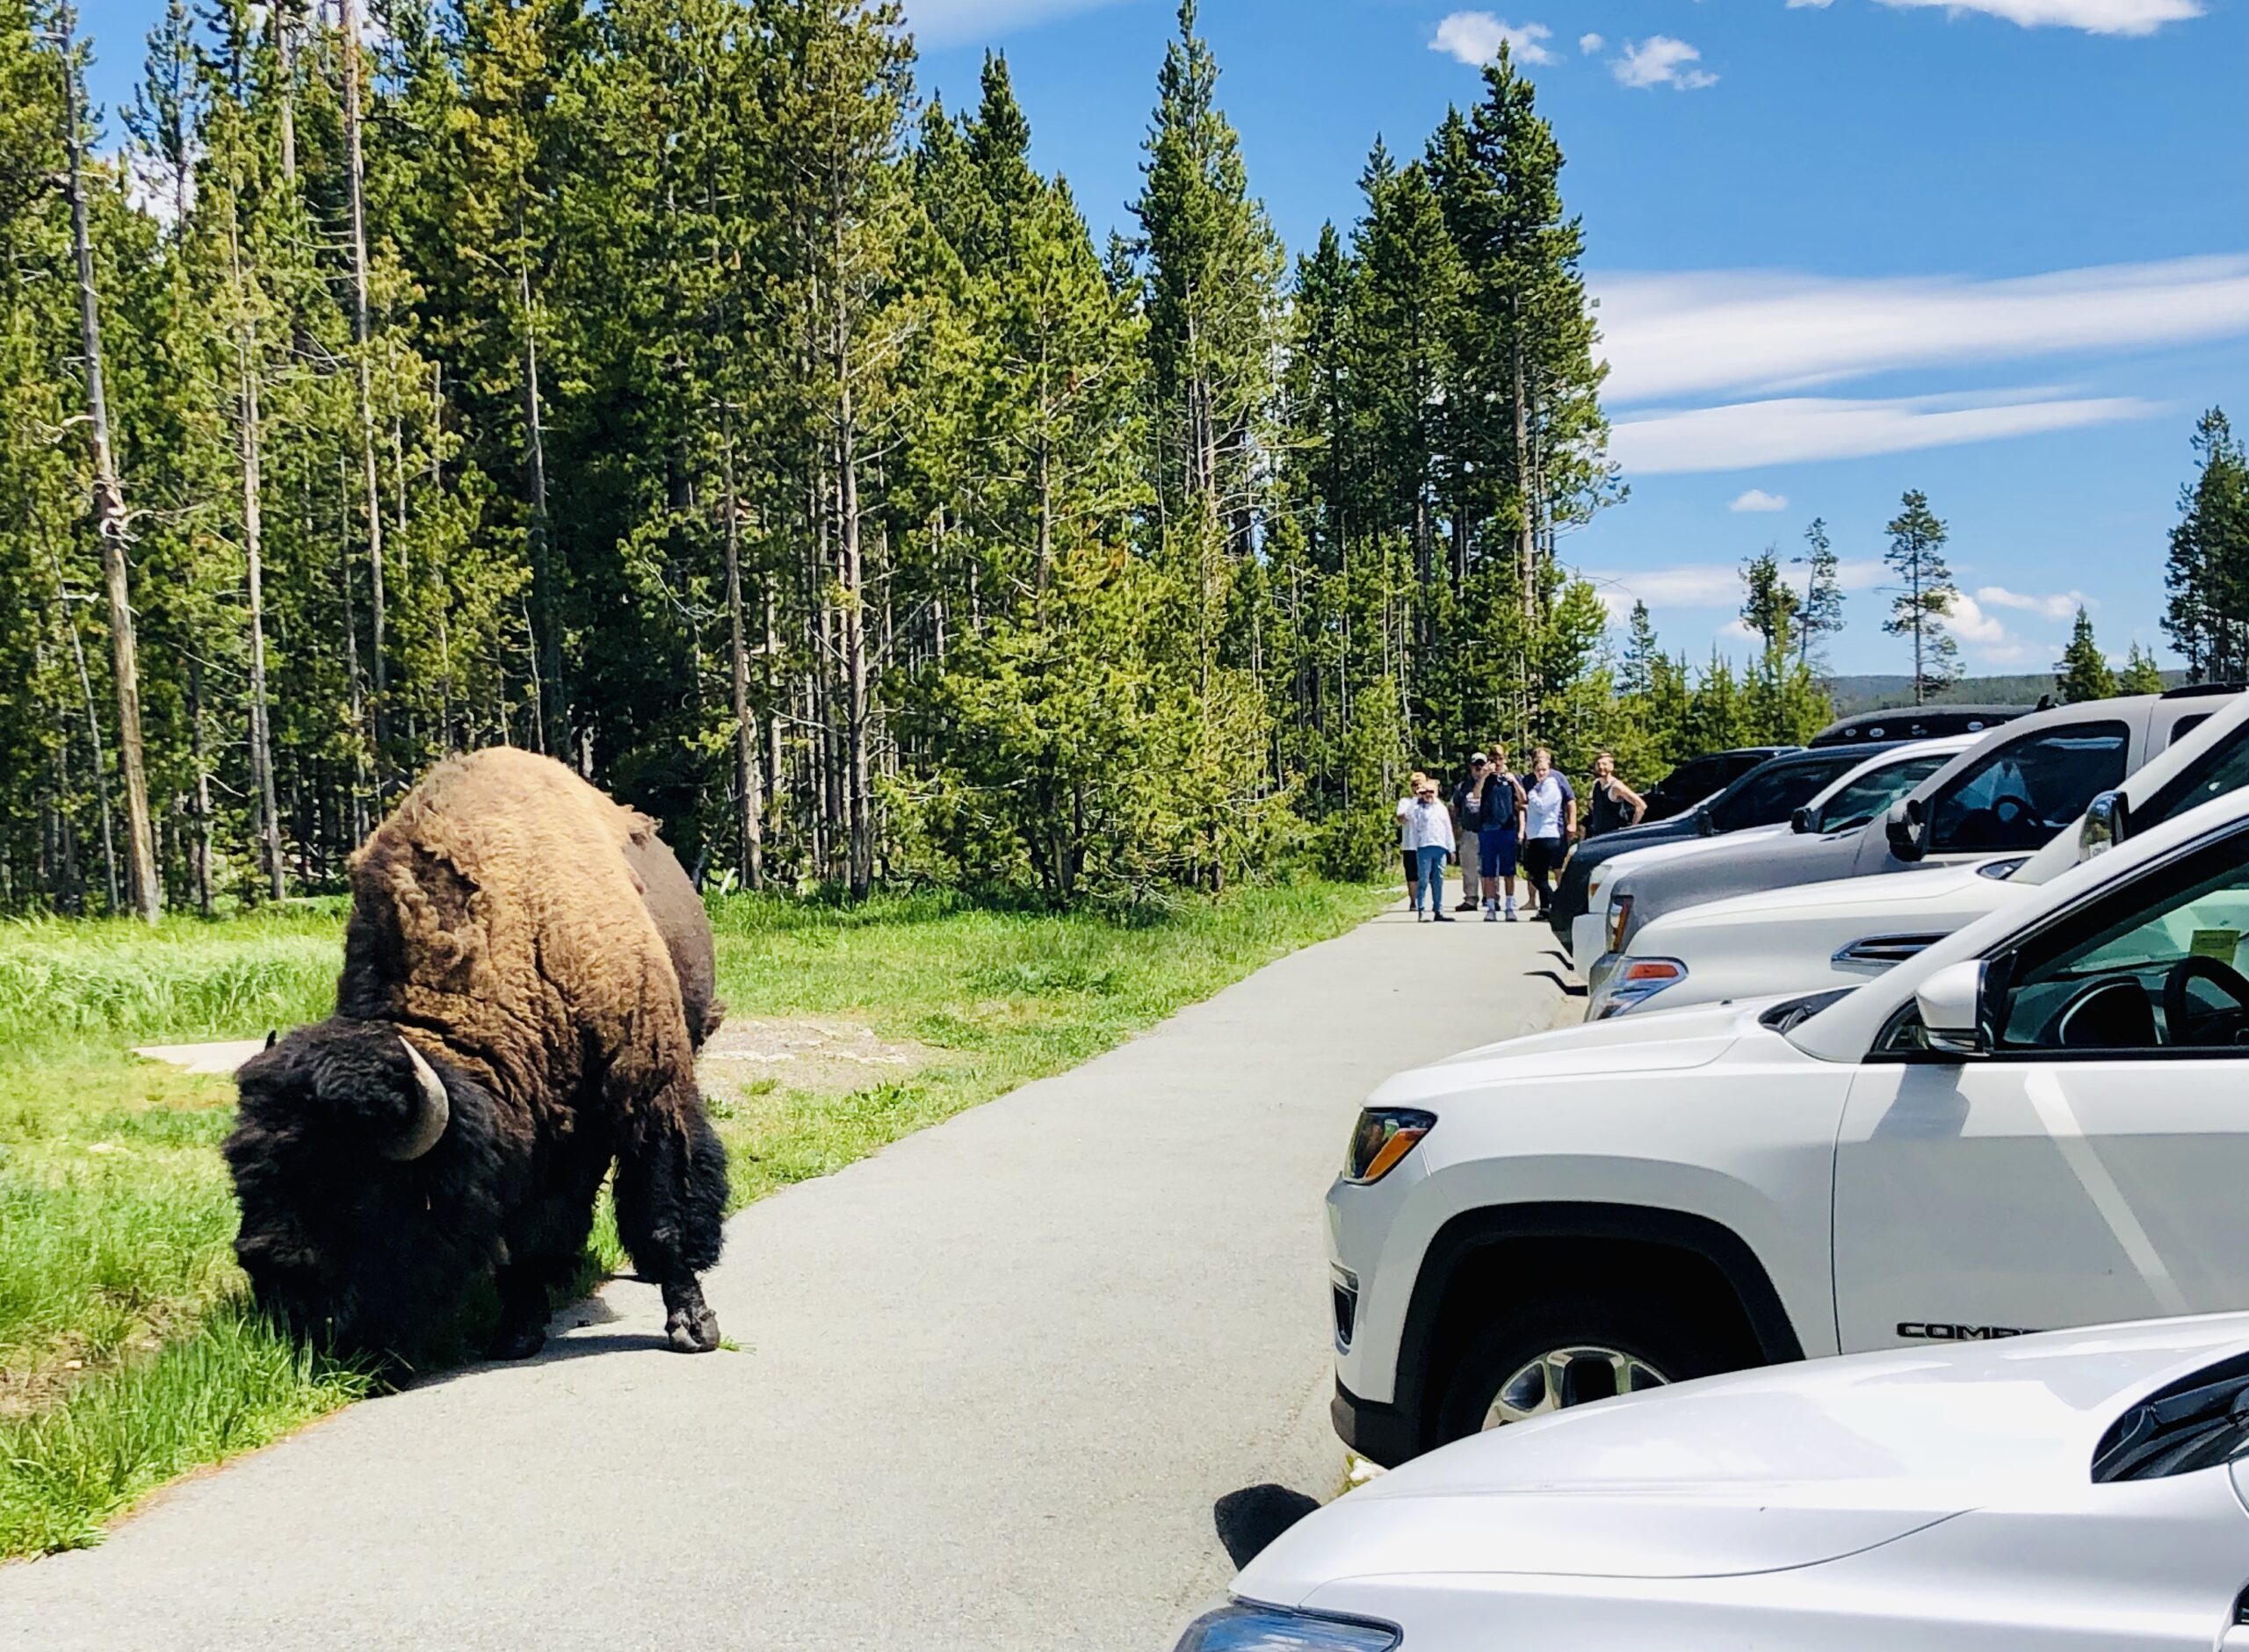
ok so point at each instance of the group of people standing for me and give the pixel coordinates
(1497, 820)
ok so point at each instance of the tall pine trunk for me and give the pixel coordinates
(248, 438)
(554, 737)
(749, 787)
(362, 330)
(110, 520)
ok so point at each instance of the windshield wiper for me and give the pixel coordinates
(2179, 1431)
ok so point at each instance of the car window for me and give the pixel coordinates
(1685, 786)
(2224, 767)
(1871, 794)
(2185, 726)
(2154, 966)
(2019, 796)
(1772, 795)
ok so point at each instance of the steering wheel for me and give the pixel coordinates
(2023, 807)
(2225, 977)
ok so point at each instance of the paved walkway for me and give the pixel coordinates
(991, 1381)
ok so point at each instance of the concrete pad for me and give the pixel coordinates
(991, 1381)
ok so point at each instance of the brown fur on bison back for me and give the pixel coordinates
(496, 911)
(684, 925)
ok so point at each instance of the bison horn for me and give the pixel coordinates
(431, 1110)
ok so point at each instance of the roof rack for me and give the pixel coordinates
(2193, 690)
(1915, 722)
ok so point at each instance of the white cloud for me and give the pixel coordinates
(953, 22)
(1661, 61)
(1966, 620)
(1757, 500)
(2062, 605)
(2094, 16)
(1817, 5)
(1475, 38)
(1988, 642)
(1590, 43)
(1710, 584)
(1751, 434)
(1743, 329)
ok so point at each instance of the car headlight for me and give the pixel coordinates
(1636, 980)
(1381, 1138)
(1245, 1626)
(1620, 919)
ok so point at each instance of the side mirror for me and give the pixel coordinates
(2108, 819)
(1951, 1004)
(1804, 819)
(1908, 829)
(1705, 825)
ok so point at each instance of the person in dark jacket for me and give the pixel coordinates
(1467, 821)
(1498, 835)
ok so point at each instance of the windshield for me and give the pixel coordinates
(1868, 795)
(1772, 793)
(2019, 796)
(2222, 769)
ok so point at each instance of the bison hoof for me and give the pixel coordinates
(690, 1325)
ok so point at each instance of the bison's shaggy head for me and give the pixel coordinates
(370, 1184)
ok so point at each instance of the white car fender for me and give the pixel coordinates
(1738, 1132)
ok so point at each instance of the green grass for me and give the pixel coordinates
(125, 1356)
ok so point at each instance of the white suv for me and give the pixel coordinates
(1841, 932)
(2038, 1122)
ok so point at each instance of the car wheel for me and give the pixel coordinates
(1570, 1350)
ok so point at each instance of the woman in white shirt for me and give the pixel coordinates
(1428, 827)
(1404, 835)
(1550, 822)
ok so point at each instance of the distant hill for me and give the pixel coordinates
(1856, 694)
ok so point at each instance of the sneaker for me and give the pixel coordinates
(1420, 917)
(1444, 917)
(1491, 913)
(1466, 904)
(1511, 917)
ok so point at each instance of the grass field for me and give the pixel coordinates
(126, 1357)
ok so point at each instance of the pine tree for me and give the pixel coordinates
(1821, 615)
(2207, 617)
(2084, 674)
(1916, 555)
(1212, 271)
(2140, 674)
(1527, 347)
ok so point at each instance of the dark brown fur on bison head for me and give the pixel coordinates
(372, 1189)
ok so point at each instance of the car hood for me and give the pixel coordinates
(1665, 1042)
(1876, 893)
(1765, 1470)
(1627, 862)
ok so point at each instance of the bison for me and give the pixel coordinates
(527, 977)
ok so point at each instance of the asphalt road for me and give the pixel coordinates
(991, 1381)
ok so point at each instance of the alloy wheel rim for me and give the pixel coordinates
(1562, 1377)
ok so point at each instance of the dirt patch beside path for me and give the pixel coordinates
(805, 1054)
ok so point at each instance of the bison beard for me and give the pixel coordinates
(527, 975)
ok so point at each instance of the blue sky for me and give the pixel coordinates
(1996, 251)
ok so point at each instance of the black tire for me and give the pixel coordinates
(1657, 1332)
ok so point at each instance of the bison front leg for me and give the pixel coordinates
(671, 1207)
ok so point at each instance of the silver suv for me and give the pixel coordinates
(2011, 792)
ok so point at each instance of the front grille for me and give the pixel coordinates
(1345, 1289)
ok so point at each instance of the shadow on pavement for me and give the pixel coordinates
(1250, 1519)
